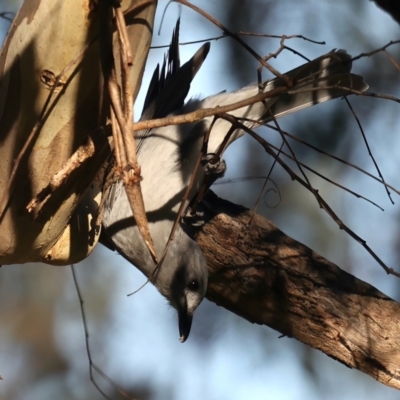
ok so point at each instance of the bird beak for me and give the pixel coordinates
(185, 323)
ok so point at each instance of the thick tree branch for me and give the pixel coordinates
(259, 273)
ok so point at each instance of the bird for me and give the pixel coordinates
(168, 155)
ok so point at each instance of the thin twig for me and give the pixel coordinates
(257, 122)
(82, 154)
(209, 112)
(267, 178)
(392, 60)
(131, 171)
(92, 365)
(326, 178)
(362, 55)
(265, 59)
(240, 33)
(322, 203)
(227, 32)
(205, 112)
(368, 148)
(120, 156)
(186, 195)
(363, 171)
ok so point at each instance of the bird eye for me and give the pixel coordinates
(193, 285)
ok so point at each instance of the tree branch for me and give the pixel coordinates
(259, 273)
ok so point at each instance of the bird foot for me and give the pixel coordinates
(195, 219)
(214, 166)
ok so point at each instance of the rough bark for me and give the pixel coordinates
(259, 273)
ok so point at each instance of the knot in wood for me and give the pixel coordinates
(50, 81)
(131, 175)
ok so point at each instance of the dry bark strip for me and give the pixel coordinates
(259, 273)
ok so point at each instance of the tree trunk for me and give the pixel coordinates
(52, 102)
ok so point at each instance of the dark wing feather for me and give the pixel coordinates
(169, 88)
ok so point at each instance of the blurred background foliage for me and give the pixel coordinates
(135, 339)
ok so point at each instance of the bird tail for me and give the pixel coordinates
(320, 80)
(317, 81)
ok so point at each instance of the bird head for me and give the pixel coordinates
(182, 279)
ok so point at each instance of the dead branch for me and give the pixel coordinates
(237, 38)
(198, 115)
(122, 108)
(82, 154)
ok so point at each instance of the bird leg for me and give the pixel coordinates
(214, 168)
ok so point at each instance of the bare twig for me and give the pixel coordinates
(205, 112)
(369, 149)
(209, 112)
(82, 154)
(324, 153)
(322, 203)
(267, 178)
(371, 53)
(186, 195)
(92, 365)
(240, 33)
(326, 178)
(392, 60)
(227, 32)
(264, 35)
(265, 59)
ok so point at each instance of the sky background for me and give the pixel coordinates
(135, 339)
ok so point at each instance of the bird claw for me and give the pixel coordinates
(214, 166)
(195, 219)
